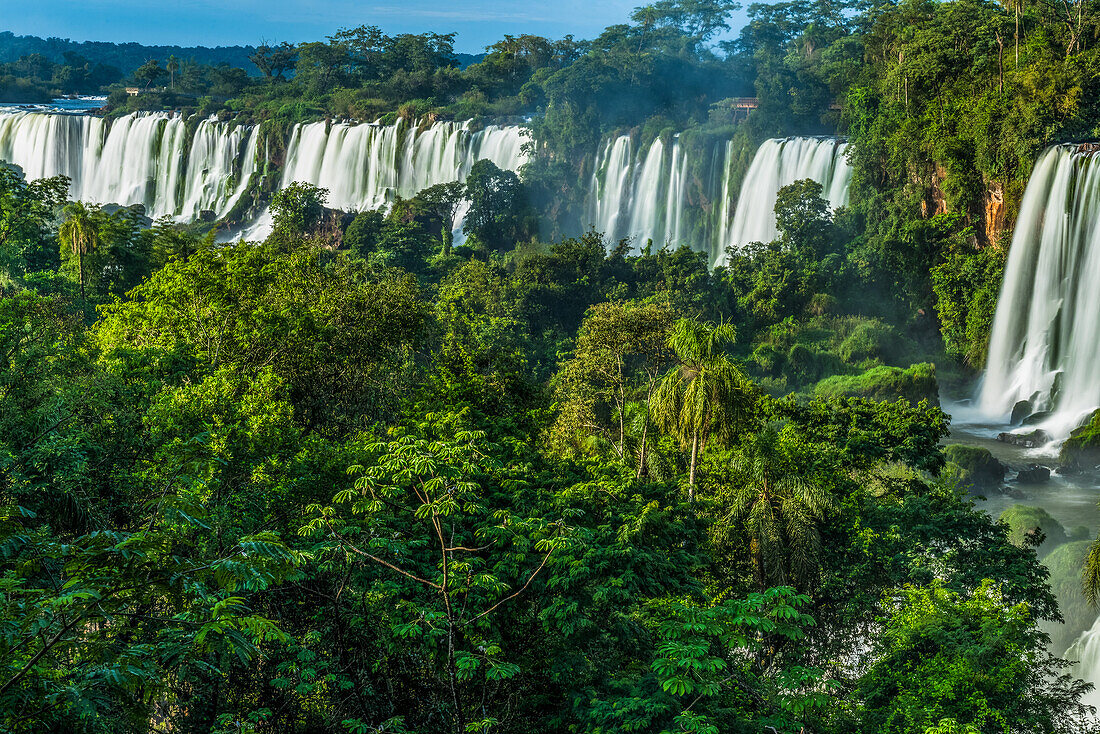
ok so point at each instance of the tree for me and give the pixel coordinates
(296, 211)
(79, 235)
(497, 205)
(340, 337)
(622, 350)
(25, 211)
(705, 396)
(149, 72)
(110, 590)
(698, 20)
(443, 201)
(971, 657)
(424, 497)
(320, 66)
(172, 67)
(362, 235)
(781, 511)
(274, 61)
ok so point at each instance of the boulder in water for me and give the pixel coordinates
(1033, 527)
(973, 467)
(1081, 451)
(1034, 474)
(1020, 411)
(1036, 418)
(1032, 440)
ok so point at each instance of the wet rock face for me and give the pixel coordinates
(1036, 418)
(994, 218)
(1081, 451)
(1034, 474)
(1028, 440)
(1020, 411)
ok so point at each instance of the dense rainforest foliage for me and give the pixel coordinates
(286, 486)
(361, 478)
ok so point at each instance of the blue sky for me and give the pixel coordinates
(231, 22)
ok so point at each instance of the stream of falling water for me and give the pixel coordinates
(141, 158)
(1045, 342)
(367, 166)
(1044, 345)
(654, 194)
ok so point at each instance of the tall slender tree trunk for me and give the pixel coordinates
(1016, 6)
(691, 471)
(80, 271)
(641, 451)
(1000, 63)
(758, 561)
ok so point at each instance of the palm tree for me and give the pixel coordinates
(781, 512)
(79, 235)
(705, 395)
(173, 67)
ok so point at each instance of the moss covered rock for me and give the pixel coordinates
(1028, 439)
(973, 467)
(916, 383)
(1033, 527)
(1065, 564)
(1081, 451)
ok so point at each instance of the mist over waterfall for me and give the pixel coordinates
(1048, 313)
(142, 158)
(779, 163)
(639, 194)
(657, 192)
(365, 166)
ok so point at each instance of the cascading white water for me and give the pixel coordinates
(644, 194)
(136, 159)
(1086, 651)
(639, 197)
(366, 166)
(779, 163)
(1048, 314)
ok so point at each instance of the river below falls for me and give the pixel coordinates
(1072, 500)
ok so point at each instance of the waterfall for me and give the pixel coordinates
(641, 197)
(646, 194)
(1048, 314)
(779, 163)
(136, 159)
(1086, 651)
(365, 166)
(610, 183)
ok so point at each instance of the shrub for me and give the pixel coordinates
(870, 339)
(914, 384)
(1065, 564)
